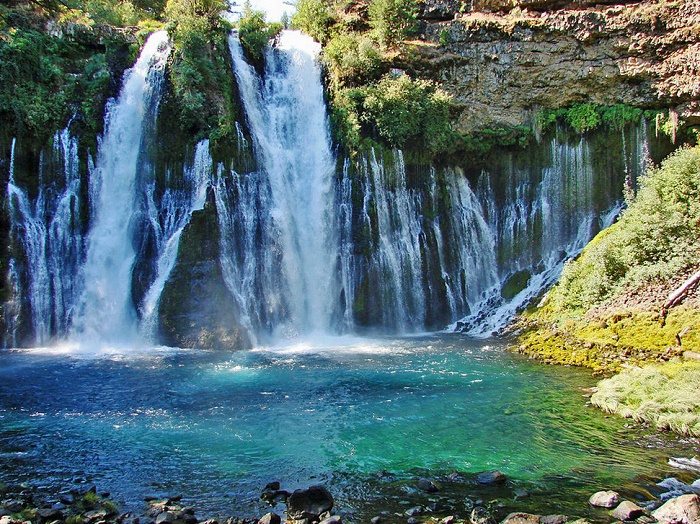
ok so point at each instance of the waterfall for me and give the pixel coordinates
(106, 307)
(538, 226)
(167, 219)
(286, 113)
(49, 232)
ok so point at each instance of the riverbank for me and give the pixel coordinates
(632, 299)
(668, 501)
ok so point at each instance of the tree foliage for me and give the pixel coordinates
(255, 33)
(314, 18)
(393, 20)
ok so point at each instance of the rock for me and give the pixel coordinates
(309, 503)
(627, 511)
(521, 493)
(13, 505)
(491, 477)
(95, 515)
(375, 520)
(333, 519)
(554, 519)
(521, 518)
(412, 520)
(682, 510)
(270, 518)
(412, 512)
(604, 499)
(5, 519)
(428, 486)
(49, 514)
(212, 521)
(67, 498)
(166, 517)
(449, 520)
(479, 515)
(272, 486)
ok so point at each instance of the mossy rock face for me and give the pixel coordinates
(196, 309)
(515, 284)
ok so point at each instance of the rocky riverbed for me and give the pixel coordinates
(672, 502)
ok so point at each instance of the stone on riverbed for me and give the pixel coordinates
(333, 519)
(604, 499)
(554, 519)
(521, 518)
(491, 477)
(270, 518)
(479, 515)
(428, 486)
(309, 503)
(627, 511)
(682, 510)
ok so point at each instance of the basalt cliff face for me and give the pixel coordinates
(504, 60)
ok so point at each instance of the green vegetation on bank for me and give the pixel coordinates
(590, 317)
(665, 396)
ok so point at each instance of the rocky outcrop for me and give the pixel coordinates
(196, 308)
(502, 66)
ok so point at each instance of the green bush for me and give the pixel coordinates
(655, 240)
(314, 18)
(393, 20)
(620, 115)
(406, 112)
(352, 59)
(255, 33)
(583, 117)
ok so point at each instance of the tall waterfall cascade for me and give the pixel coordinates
(307, 242)
(286, 112)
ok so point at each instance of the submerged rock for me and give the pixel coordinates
(309, 503)
(491, 477)
(604, 499)
(627, 511)
(479, 515)
(428, 485)
(682, 510)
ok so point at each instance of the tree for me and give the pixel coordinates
(393, 20)
(314, 18)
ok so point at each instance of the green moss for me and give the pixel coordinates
(666, 396)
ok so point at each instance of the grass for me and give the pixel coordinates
(667, 396)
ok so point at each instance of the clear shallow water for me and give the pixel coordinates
(217, 427)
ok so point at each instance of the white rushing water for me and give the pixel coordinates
(48, 227)
(168, 219)
(106, 313)
(287, 116)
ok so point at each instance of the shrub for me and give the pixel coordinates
(406, 112)
(654, 240)
(620, 115)
(393, 20)
(352, 59)
(583, 117)
(255, 33)
(314, 18)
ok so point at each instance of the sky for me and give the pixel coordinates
(273, 8)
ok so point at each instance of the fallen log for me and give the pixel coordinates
(678, 294)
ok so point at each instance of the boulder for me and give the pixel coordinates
(166, 517)
(449, 520)
(412, 520)
(681, 510)
(428, 486)
(521, 518)
(412, 512)
(13, 505)
(270, 518)
(49, 514)
(554, 519)
(604, 499)
(479, 515)
(627, 511)
(491, 477)
(309, 503)
(333, 519)
(376, 520)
